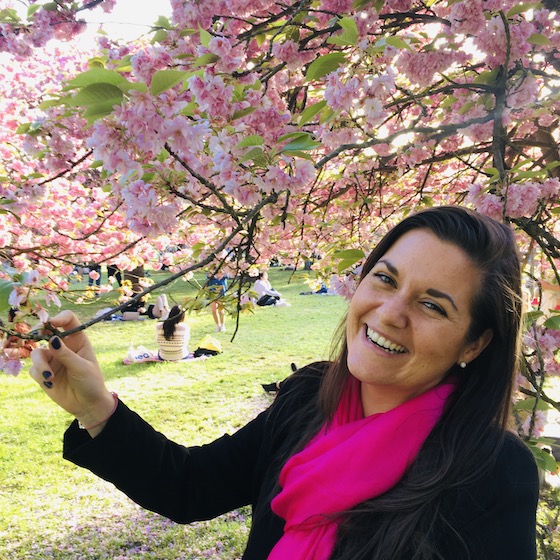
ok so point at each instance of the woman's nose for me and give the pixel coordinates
(393, 311)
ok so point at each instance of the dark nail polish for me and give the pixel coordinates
(47, 384)
(46, 374)
(55, 342)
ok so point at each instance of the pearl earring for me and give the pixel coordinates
(463, 365)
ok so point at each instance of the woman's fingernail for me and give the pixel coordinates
(46, 374)
(47, 384)
(55, 342)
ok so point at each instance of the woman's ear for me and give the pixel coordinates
(473, 349)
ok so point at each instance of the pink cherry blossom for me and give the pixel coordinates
(467, 17)
(10, 366)
(212, 95)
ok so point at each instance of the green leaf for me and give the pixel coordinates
(162, 21)
(159, 36)
(349, 35)
(299, 154)
(253, 140)
(127, 86)
(163, 155)
(302, 141)
(96, 94)
(545, 461)
(238, 93)
(397, 42)
(97, 111)
(243, 112)
(466, 107)
(520, 8)
(324, 65)
(197, 249)
(23, 128)
(6, 287)
(292, 33)
(528, 404)
(539, 39)
(531, 316)
(50, 6)
(96, 75)
(488, 78)
(292, 135)
(205, 59)
(52, 103)
(309, 112)
(359, 4)
(553, 323)
(348, 258)
(96, 62)
(125, 64)
(530, 174)
(189, 109)
(326, 115)
(256, 155)
(9, 15)
(448, 101)
(30, 10)
(256, 85)
(163, 80)
(205, 37)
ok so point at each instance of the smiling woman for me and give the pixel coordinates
(398, 449)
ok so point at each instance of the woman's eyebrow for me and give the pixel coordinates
(431, 291)
(391, 267)
(438, 294)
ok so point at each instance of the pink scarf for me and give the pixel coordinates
(351, 460)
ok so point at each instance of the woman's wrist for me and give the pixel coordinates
(95, 420)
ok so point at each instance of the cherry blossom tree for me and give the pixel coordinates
(246, 130)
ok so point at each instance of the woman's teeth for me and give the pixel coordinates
(384, 343)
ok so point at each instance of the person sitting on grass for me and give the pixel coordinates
(172, 336)
(267, 295)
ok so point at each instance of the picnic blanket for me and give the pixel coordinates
(209, 346)
(143, 354)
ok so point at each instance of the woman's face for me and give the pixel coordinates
(408, 320)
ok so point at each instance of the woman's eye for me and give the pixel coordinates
(434, 307)
(384, 278)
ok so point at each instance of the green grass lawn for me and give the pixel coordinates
(51, 509)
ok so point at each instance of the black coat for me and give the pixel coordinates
(197, 483)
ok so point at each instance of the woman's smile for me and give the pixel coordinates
(384, 343)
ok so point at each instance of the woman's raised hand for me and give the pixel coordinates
(69, 373)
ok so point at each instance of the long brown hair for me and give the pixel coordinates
(176, 315)
(410, 520)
